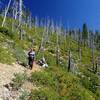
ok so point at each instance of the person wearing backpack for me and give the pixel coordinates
(31, 57)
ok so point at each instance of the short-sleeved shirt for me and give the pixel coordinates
(31, 54)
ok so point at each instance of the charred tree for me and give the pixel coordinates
(79, 44)
(93, 63)
(57, 46)
(6, 11)
(69, 61)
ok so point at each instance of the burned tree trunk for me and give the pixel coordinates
(44, 39)
(57, 47)
(93, 63)
(79, 44)
(36, 23)
(57, 50)
(20, 19)
(6, 11)
(69, 61)
(57, 56)
(96, 64)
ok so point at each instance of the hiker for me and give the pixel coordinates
(42, 63)
(31, 56)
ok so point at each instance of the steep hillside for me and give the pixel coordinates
(55, 82)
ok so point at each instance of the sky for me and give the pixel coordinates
(72, 13)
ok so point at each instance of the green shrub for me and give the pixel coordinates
(50, 59)
(98, 94)
(6, 31)
(19, 79)
(23, 95)
(44, 94)
(6, 56)
(43, 78)
(89, 81)
(51, 51)
(20, 54)
(78, 93)
(89, 84)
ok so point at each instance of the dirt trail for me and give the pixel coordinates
(7, 73)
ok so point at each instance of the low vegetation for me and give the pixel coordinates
(55, 82)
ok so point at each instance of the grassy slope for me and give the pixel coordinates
(62, 84)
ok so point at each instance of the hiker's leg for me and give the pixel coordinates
(31, 66)
(32, 63)
(29, 63)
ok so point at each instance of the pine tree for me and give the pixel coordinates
(85, 34)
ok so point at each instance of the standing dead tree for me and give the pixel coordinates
(97, 64)
(6, 11)
(65, 37)
(44, 38)
(69, 51)
(57, 45)
(93, 63)
(20, 18)
(52, 28)
(30, 21)
(79, 44)
(14, 9)
(36, 23)
(14, 13)
(69, 60)
(71, 66)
